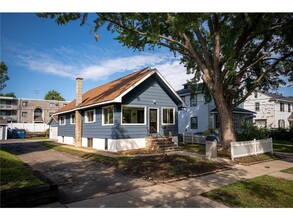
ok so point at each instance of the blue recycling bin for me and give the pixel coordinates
(18, 133)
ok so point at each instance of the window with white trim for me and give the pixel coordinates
(133, 115)
(108, 115)
(90, 142)
(281, 123)
(282, 106)
(62, 120)
(168, 115)
(72, 118)
(257, 107)
(193, 123)
(90, 116)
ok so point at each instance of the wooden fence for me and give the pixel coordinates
(248, 148)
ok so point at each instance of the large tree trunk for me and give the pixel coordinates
(225, 114)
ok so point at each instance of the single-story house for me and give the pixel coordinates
(121, 114)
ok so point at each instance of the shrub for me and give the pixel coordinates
(281, 134)
(249, 132)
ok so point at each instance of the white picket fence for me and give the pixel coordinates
(31, 127)
(247, 148)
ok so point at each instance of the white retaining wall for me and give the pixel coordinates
(247, 148)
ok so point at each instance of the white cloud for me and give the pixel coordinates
(64, 62)
(174, 73)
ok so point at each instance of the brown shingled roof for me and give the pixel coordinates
(109, 91)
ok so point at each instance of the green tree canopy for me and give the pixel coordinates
(53, 95)
(3, 75)
(9, 94)
(232, 53)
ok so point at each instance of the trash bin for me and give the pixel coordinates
(18, 133)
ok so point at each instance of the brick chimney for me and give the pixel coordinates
(78, 91)
(78, 122)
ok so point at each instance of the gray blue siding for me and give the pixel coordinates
(144, 95)
(68, 129)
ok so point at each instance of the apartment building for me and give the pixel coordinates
(22, 110)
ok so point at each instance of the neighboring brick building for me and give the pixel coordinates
(22, 110)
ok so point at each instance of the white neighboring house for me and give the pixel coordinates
(272, 110)
(200, 116)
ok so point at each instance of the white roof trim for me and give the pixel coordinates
(119, 98)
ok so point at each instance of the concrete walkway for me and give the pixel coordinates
(186, 193)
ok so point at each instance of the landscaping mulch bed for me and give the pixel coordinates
(260, 158)
(167, 168)
(157, 168)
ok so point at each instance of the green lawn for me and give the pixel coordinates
(195, 148)
(260, 192)
(289, 170)
(283, 146)
(14, 174)
(158, 167)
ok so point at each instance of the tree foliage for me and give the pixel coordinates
(3, 75)
(9, 94)
(233, 54)
(53, 95)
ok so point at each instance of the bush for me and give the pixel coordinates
(249, 132)
(281, 134)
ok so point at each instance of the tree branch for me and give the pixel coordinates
(261, 76)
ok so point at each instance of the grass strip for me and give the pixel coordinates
(260, 192)
(289, 170)
(14, 174)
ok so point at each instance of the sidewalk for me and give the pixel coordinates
(185, 193)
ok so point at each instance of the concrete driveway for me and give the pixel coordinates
(78, 178)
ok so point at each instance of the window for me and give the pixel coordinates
(90, 142)
(108, 115)
(289, 107)
(90, 116)
(72, 119)
(193, 101)
(168, 116)
(24, 103)
(24, 114)
(62, 120)
(133, 115)
(193, 123)
(281, 123)
(282, 105)
(52, 105)
(257, 106)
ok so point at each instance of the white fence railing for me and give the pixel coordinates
(31, 127)
(193, 138)
(247, 148)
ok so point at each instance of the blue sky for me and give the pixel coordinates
(42, 56)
